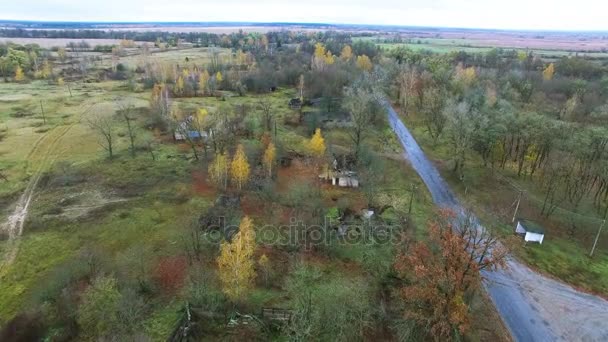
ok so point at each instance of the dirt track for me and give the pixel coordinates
(41, 154)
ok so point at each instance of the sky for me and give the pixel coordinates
(497, 14)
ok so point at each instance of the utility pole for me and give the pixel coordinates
(517, 206)
(42, 110)
(597, 237)
(412, 189)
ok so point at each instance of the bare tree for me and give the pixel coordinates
(266, 107)
(103, 125)
(126, 111)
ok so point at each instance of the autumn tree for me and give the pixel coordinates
(319, 57)
(269, 158)
(316, 145)
(203, 82)
(218, 170)
(347, 53)
(219, 78)
(549, 72)
(239, 168)
(364, 63)
(19, 75)
(236, 261)
(440, 276)
(61, 54)
(179, 84)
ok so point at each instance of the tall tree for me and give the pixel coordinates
(364, 63)
(126, 110)
(239, 168)
(19, 75)
(347, 53)
(218, 170)
(441, 275)
(316, 144)
(236, 261)
(104, 126)
(549, 72)
(269, 158)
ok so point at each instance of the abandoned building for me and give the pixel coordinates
(295, 103)
(531, 231)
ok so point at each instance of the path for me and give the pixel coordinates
(13, 227)
(534, 307)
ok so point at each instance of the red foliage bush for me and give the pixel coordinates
(170, 274)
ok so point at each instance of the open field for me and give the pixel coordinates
(549, 45)
(58, 42)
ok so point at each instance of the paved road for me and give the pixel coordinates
(534, 307)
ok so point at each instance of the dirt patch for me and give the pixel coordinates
(299, 171)
(81, 204)
(200, 184)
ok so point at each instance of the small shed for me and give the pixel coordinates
(183, 131)
(530, 230)
(295, 103)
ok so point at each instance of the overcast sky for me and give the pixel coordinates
(506, 14)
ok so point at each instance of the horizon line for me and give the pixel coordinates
(227, 23)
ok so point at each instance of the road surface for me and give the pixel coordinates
(533, 307)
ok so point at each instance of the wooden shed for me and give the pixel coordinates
(530, 230)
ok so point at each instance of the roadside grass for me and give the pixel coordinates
(562, 255)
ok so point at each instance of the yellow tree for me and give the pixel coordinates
(236, 262)
(317, 144)
(329, 58)
(218, 77)
(364, 63)
(347, 53)
(179, 85)
(218, 170)
(239, 168)
(46, 69)
(549, 72)
(61, 54)
(19, 75)
(60, 81)
(203, 80)
(269, 157)
(318, 59)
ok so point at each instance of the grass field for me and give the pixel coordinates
(446, 45)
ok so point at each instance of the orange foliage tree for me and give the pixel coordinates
(440, 276)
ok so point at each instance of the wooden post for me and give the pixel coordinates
(597, 237)
(517, 206)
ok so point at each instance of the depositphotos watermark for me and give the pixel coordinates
(298, 233)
